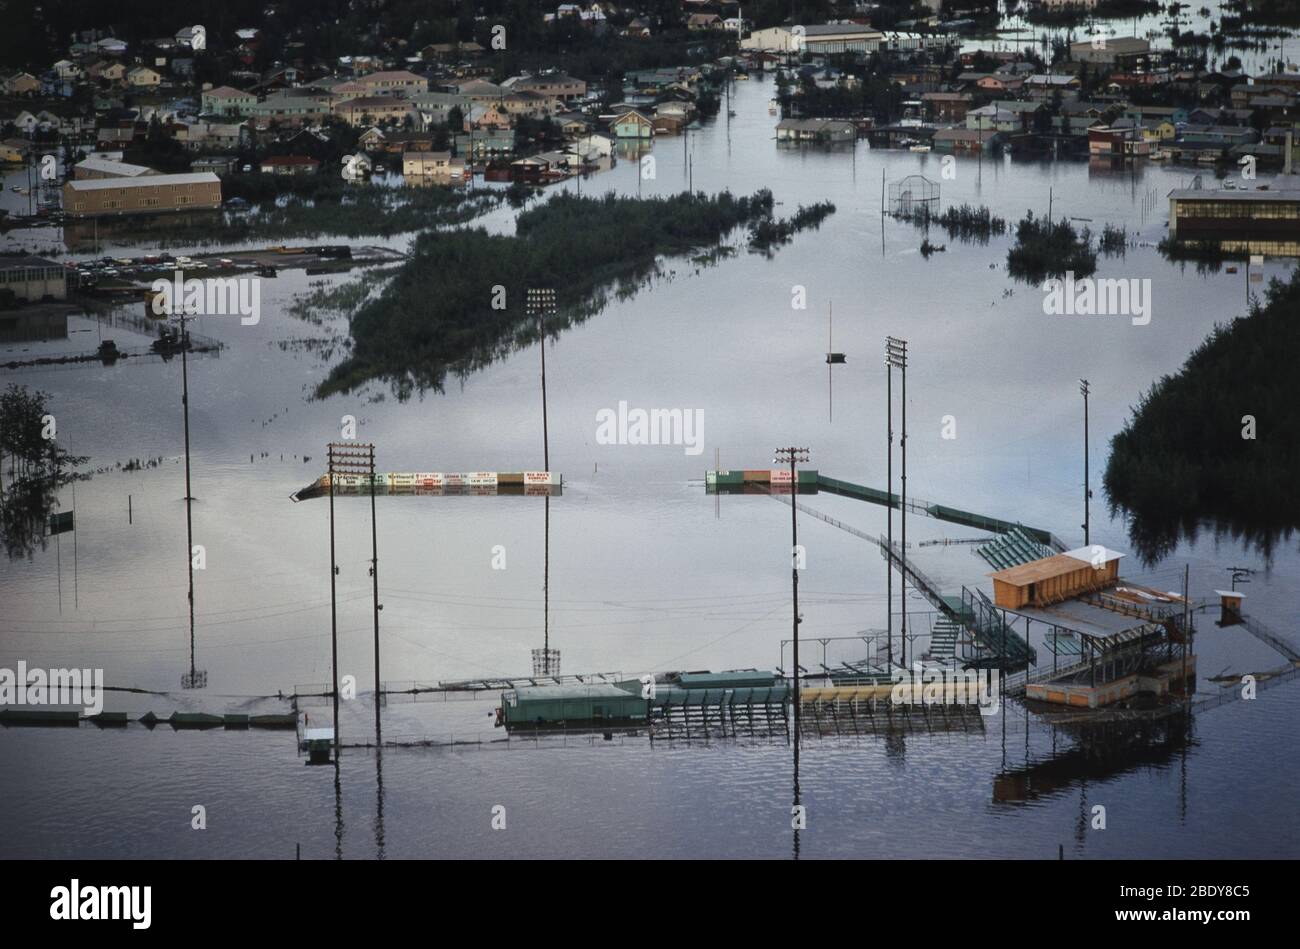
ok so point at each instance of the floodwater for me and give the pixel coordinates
(646, 571)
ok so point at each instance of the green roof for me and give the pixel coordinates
(541, 693)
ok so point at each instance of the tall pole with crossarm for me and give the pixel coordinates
(792, 456)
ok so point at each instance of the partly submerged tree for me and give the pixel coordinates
(36, 468)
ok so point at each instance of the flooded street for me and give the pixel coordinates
(646, 570)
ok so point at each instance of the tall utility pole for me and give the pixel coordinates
(1087, 492)
(195, 678)
(793, 456)
(189, 498)
(350, 458)
(374, 576)
(896, 357)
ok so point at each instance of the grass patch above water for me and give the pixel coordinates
(437, 315)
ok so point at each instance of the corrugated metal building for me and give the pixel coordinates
(1056, 578)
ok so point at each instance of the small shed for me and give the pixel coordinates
(1059, 577)
(1229, 606)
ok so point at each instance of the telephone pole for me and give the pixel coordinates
(195, 678)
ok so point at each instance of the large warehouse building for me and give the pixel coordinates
(31, 279)
(143, 195)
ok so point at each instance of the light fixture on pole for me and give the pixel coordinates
(793, 456)
(546, 661)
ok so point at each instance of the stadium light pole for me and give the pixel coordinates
(896, 358)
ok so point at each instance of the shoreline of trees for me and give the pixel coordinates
(1218, 442)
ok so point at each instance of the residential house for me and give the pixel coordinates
(400, 82)
(554, 85)
(821, 131)
(964, 140)
(142, 77)
(591, 147)
(15, 150)
(1216, 136)
(20, 84)
(704, 21)
(480, 91)
(638, 27)
(1045, 85)
(487, 144)
(399, 143)
(226, 100)
(210, 135)
(107, 70)
(1117, 141)
(24, 121)
(373, 111)
(491, 116)
(632, 124)
(290, 107)
(993, 116)
(450, 51)
(531, 104)
(668, 124)
(1174, 115)
(946, 106)
(435, 107)
(66, 69)
(217, 164)
(289, 165)
(440, 166)
(573, 123)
